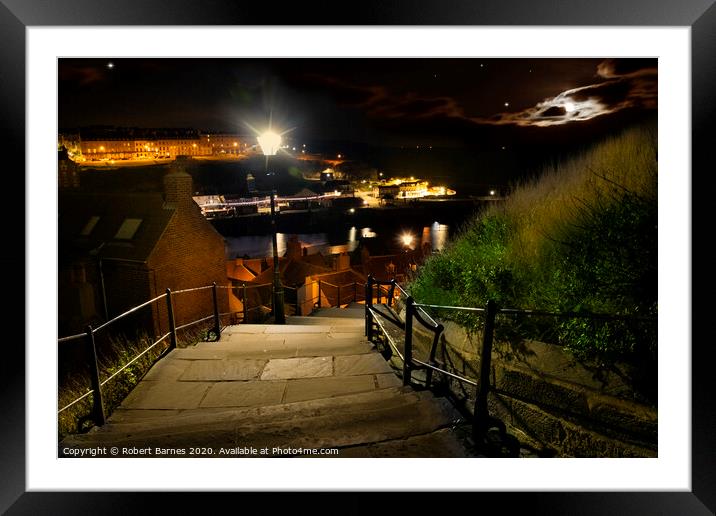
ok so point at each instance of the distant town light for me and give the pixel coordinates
(492, 192)
(236, 144)
(340, 156)
(269, 142)
(352, 210)
(110, 65)
(294, 148)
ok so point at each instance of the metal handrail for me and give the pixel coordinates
(443, 371)
(461, 308)
(163, 337)
(131, 310)
(246, 285)
(481, 417)
(194, 322)
(390, 341)
(77, 400)
(191, 289)
(71, 337)
(98, 407)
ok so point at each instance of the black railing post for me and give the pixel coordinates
(319, 293)
(408, 348)
(368, 305)
(391, 292)
(97, 402)
(431, 360)
(481, 415)
(246, 306)
(338, 296)
(217, 324)
(172, 323)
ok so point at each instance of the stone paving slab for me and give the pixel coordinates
(133, 415)
(357, 330)
(222, 370)
(285, 368)
(352, 365)
(246, 328)
(267, 349)
(354, 335)
(388, 380)
(166, 395)
(243, 338)
(329, 347)
(244, 394)
(166, 370)
(194, 353)
(293, 330)
(314, 388)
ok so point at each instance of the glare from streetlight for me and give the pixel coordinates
(407, 239)
(270, 143)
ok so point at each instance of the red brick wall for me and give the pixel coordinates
(190, 254)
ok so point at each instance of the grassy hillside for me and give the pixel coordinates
(580, 237)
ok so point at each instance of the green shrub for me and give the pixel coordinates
(581, 237)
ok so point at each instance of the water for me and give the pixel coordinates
(436, 234)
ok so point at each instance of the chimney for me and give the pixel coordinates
(178, 185)
(343, 262)
(293, 248)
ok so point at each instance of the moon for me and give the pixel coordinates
(569, 107)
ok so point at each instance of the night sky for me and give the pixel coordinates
(441, 102)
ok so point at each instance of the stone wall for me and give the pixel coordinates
(549, 399)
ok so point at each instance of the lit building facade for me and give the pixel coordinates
(108, 144)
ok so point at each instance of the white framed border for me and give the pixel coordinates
(670, 471)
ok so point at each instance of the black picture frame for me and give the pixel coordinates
(16, 15)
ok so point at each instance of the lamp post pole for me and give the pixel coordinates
(269, 143)
(278, 313)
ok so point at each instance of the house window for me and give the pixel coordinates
(128, 228)
(91, 223)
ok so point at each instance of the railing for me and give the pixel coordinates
(482, 421)
(246, 308)
(98, 413)
(344, 294)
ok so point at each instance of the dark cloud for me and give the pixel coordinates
(616, 91)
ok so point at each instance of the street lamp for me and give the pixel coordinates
(269, 143)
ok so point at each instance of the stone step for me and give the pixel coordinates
(387, 397)
(332, 316)
(353, 311)
(345, 421)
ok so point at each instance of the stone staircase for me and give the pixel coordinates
(315, 383)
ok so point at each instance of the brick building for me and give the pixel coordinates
(118, 250)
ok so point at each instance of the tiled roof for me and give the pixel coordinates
(109, 212)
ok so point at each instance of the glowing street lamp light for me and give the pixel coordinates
(270, 142)
(407, 239)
